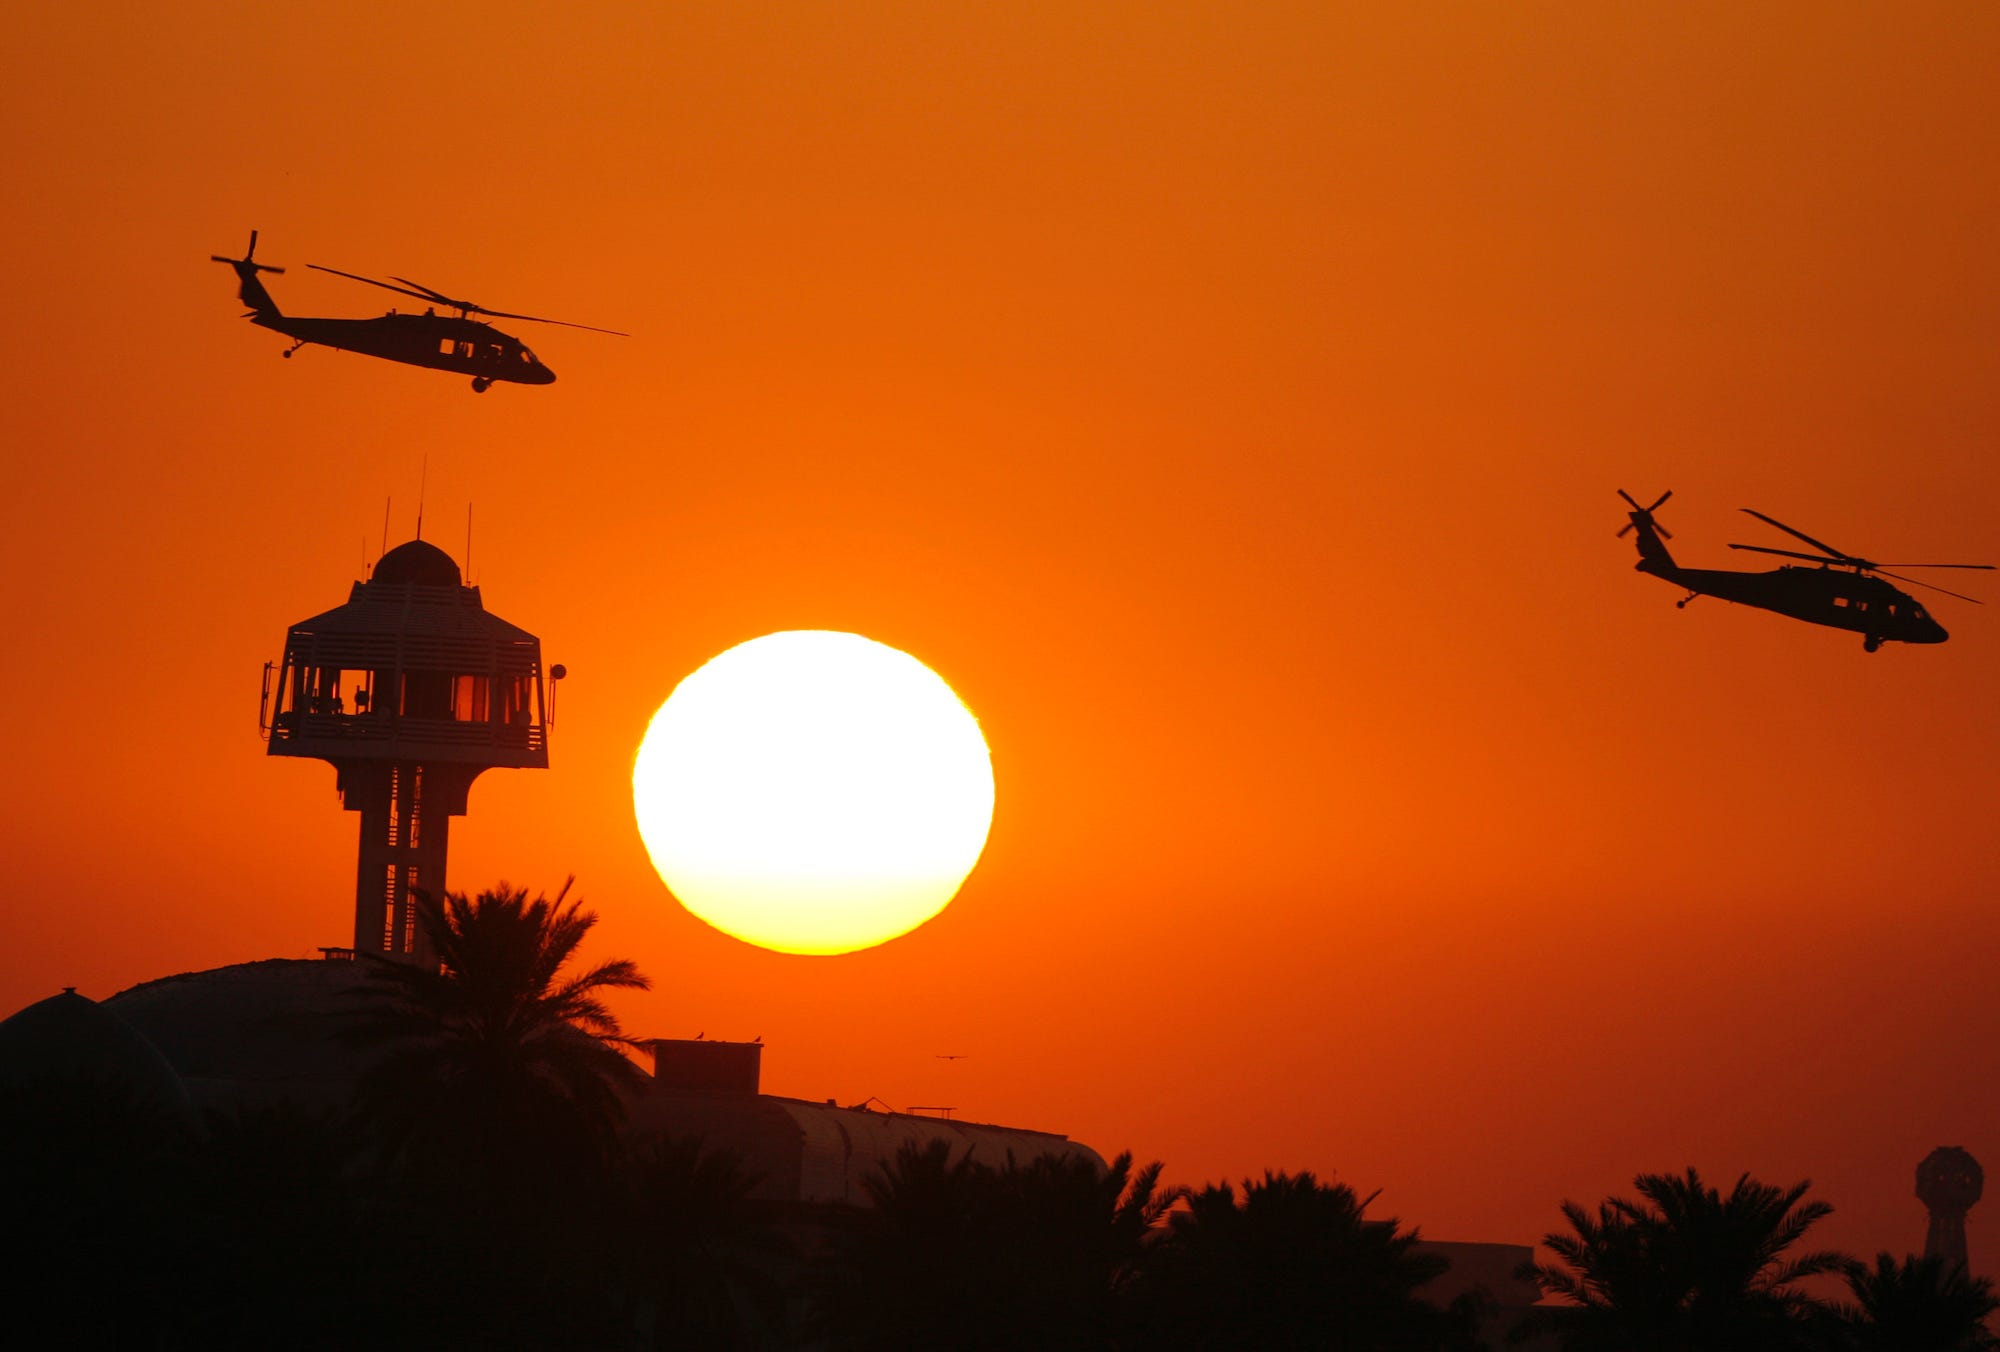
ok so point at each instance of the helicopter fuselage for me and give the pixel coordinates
(1829, 595)
(440, 342)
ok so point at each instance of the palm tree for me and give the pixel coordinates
(496, 1054)
(495, 1100)
(953, 1254)
(1294, 1264)
(1620, 1299)
(705, 1264)
(1918, 1305)
(1687, 1267)
(1075, 1236)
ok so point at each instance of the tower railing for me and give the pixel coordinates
(338, 730)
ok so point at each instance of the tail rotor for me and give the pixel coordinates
(245, 267)
(1645, 514)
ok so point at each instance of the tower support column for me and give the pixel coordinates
(406, 809)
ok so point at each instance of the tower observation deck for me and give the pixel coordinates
(410, 690)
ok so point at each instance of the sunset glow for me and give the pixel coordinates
(1230, 403)
(813, 792)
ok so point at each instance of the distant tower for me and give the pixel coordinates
(1949, 1181)
(410, 690)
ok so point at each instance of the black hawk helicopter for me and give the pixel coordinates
(441, 342)
(1843, 592)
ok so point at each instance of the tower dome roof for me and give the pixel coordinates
(418, 563)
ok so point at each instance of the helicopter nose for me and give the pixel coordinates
(544, 376)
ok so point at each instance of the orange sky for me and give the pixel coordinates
(1229, 402)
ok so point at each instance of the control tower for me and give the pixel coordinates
(1949, 1181)
(410, 690)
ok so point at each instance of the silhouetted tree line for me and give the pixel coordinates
(479, 1195)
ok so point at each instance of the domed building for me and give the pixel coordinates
(255, 1034)
(70, 1037)
(262, 1034)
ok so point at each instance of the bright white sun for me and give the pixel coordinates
(813, 792)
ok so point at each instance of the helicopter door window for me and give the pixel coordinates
(445, 345)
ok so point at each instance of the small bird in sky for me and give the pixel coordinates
(943, 1056)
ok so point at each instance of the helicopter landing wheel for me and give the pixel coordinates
(1870, 644)
(479, 384)
(287, 353)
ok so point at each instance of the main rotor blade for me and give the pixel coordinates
(1919, 582)
(1984, 566)
(438, 296)
(1837, 554)
(357, 277)
(1788, 553)
(471, 308)
(537, 319)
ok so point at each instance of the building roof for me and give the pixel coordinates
(72, 1037)
(819, 1153)
(256, 1032)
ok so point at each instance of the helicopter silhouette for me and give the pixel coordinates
(441, 342)
(1844, 592)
